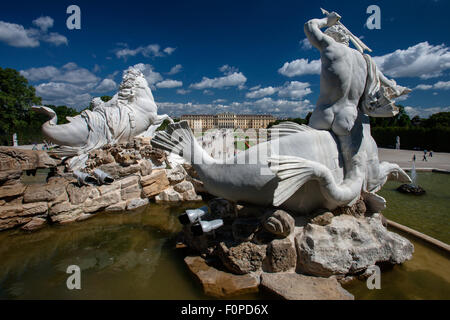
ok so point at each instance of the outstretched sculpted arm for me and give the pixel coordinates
(315, 36)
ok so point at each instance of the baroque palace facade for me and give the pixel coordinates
(228, 120)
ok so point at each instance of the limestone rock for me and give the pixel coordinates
(136, 203)
(12, 190)
(119, 206)
(279, 223)
(129, 181)
(106, 188)
(13, 222)
(23, 210)
(191, 195)
(9, 175)
(292, 286)
(47, 192)
(349, 245)
(220, 284)
(101, 202)
(323, 219)
(154, 183)
(168, 195)
(176, 175)
(35, 224)
(21, 159)
(79, 195)
(183, 186)
(281, 255)
(131, 192)
(146, 167)
(243, 258)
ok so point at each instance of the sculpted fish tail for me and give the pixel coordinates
(180, 140)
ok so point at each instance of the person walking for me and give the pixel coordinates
(431, 154)
(414, 158)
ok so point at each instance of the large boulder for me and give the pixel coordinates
(47, 192)
(349, 245)
(221, 284)
(12, 190)
(292, 286)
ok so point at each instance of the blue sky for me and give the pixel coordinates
(215, 56)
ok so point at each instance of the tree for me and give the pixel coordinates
(16, 98)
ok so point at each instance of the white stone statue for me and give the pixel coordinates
(130, 112)
(330, 164)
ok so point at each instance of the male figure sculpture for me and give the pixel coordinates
(349, 79)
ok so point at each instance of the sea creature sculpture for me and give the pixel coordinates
(328, 165)
(131, 112)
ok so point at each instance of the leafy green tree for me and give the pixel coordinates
(16, 98)
(105, 98)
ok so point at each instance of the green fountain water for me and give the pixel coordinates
(132, 255)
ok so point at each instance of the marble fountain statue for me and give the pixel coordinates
(131, 112)
(328, 164)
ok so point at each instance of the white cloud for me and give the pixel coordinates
(37, 74)
(169, 84)
(183, 91)
(227, 70)
(106, 85)
(55, 39)
(425, 112)
(169, 50)
(305, 44)
(16, 36)
(150, 75)
(440, 85)
(230, 80)
(175, 69)
(300, 67)
(421, 60)
(294, 90)
(58, 93)
(44, 23)
(257, 92)
(276, 107)
(151, 50)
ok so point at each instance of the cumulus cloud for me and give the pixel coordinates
(68, 85)
(305, 44)
(183, 91)
(169, 50)
(300, 67)
(425, 112)
(169, 84)
(421, 60)
(44, 23)
(234, 79)
(106, 85)
(292, 90)
(55, 39)
(16, 35)
(440, 85)
(258, 92)
(150, 75)
(175, 69)
(151, 50)
(276, 107)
